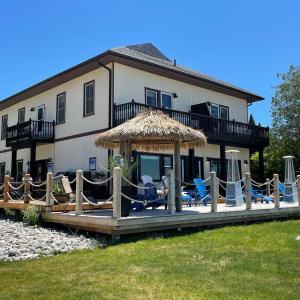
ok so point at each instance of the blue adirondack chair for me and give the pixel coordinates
(201, 192)
(257, 194)
(152, 197)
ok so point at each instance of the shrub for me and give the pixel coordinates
(9, 213)
(31, 215)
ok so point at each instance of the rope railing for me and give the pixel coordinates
(95, 204)
(226, 182)
(97, 182)
(12, 199)
(33, 199)
(70, 182)
(135, 200)
(36, 185)
(17, 187)
(134, 185)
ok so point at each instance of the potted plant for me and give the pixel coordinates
(126, 170)
(59, 193)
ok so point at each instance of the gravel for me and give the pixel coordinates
(19, 241)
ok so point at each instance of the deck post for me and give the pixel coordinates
(79, 189)
(248, 191)
(298, 187)
(117, 191)
(268, 187)
(276, 191)
(26, 188)
(214, 191)
(171, 193)
(49, 190)
(6, 188)
(177, 168)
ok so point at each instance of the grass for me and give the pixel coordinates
(260, 261)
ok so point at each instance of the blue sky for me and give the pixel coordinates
(243, 42)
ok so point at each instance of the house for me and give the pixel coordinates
(52, 125)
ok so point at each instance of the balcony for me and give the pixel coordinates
(22, 135)
(217, 131)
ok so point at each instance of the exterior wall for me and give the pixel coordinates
(130, 84)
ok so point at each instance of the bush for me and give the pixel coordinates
(9, 213)
(31, 215)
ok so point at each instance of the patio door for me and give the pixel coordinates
(40, 117)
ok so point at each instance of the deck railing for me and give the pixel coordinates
(30, 131)
(216, 130)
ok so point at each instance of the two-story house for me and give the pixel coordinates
(52, 125)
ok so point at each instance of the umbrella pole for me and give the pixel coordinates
(128, 158)
(177, 169)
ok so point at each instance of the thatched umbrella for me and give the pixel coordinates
(153, 130)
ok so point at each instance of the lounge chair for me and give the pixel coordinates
(152, 198)
(258, 194)
(201, 192)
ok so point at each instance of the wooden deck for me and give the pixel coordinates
(159, 219)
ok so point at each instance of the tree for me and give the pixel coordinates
(251, 120)
(285, 130)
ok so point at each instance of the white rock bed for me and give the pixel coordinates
(19, 241)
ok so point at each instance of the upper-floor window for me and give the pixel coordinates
(21, 115)
(4, 127)
(89, 99)
(219, 111)
(61, 108)
(158, 98)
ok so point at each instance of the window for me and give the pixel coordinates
(92, 163)
(152, 97)
(40, 117)
(60, 108)
(89, 95)
(166, 100)
(21, 115)
(150, 165)
(224, 112)
(2, 172)
(214, 111)
(19, 170)
(4, 127)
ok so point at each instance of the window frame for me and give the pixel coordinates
(21, 110)
(2, 135)
(92, 82)
(91, 159)
(168, 94)
(218, 108)
(57, 110)
(158, 100)
(224, 107)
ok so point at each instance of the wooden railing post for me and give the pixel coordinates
(248, 191)
(268, 187)
(214, 191)
(171, 192)
(117, 191)
(276, 191)
(26, 188)
(6, 188)
(49, 190)
(79, 189)
(298, 188)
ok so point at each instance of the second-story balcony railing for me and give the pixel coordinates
(23, 134)
(217, 131)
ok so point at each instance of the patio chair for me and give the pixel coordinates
(152, 197)
(186, 196)
(257, 194)
(201, 192)
(146, 179)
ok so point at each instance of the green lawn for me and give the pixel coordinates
(260, 261)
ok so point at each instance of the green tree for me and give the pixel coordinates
(251, 120)
(285, 130)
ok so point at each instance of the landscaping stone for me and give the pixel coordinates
(19, 241)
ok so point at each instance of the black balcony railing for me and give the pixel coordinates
(217, 130)
(30, 131)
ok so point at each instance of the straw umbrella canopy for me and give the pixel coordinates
(153, 130)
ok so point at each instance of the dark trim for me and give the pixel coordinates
(225, 106)
(153, 90)
(4, 151)
(2, 137)
(75, 136)
(17, 162)
(58, 95)
(109, 56)
(20, 109)
(85, 84)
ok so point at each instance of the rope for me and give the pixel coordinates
(58, 176)
(92, 203)
(226, 182)
(37, 185)
(11, 199)
(15, 188)
(70, 182)
(136, 186)
(41, 199)
(186, 183)
(290, 195)
(96, 183)
(222, 186)
(104, 168)
(134, 200)
(67, 203)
